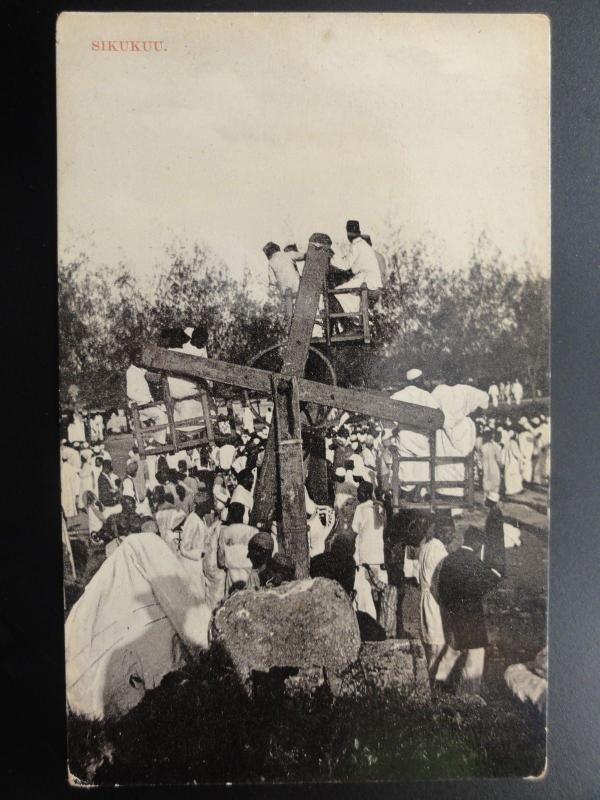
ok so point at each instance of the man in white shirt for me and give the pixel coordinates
(283, 274)
(517, 391)
(494, 392)
(243, 492)
(364, 266)
(368, 524)
(457, 436)
(185, 393)
(138, 392)
(410, 444)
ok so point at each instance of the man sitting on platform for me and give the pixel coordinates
(409, 443)
(364, 268)
(138, 392)
(185, 393)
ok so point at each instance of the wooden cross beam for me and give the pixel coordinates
(282, 472)
(409, 416)
(286, 472)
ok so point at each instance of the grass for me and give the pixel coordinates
(200, 726)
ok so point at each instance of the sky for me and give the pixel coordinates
(245, 128)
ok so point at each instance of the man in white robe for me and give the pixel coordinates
(409, 443)
(364, 266)
(517, 391)
(138, 392)
(283, 273)
(69, 487)
(368, 524)
(458, 434)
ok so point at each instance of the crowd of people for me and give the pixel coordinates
(200, 501)
(507, 392)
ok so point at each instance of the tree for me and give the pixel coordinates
(485, 322)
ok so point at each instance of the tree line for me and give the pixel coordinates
(485, 322)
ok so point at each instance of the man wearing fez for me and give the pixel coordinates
(363, 265)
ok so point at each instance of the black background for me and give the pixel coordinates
(31, 593)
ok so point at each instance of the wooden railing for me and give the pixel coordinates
(433, 499)
(361, 334)
(179, 439)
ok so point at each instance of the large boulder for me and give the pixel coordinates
(307, 625)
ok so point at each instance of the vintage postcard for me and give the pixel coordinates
(303, 293)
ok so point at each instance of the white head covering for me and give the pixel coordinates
(413, 374)
(340, 472)
(226, 455)
(188, 331)
(493, 496)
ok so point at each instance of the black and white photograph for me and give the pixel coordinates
(305, 450)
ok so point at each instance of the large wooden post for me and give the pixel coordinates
(295, 353)
(288, 434)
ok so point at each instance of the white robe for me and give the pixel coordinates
(125, 632)
(69, 489)
(368, 524)
(414, 444)
(458, 434)
(193, 546)
(363, 263)
(431, 553)
(526, 459)
(512, 470)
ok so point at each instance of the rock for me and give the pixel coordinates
(307, 624)
(396, 664)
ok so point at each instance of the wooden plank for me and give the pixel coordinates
(210, 434)
(395, 479)
(352, 290)
(294, 355)
(137, 427)
(470, 479)
(432, 484)
(187, 366)
(288, 444)
(326, 314)
(189, 444)
(170, 406)
(364, 307)
(409, 416)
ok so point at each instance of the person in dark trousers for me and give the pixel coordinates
(463, 582)
(494, 552)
